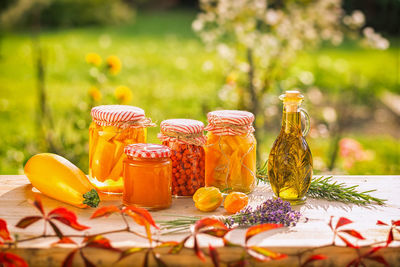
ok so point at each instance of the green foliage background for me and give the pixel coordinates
(171, 75)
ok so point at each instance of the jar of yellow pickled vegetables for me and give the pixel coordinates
(231, 151)
(185, 138)
(113, 127)
(147, 176)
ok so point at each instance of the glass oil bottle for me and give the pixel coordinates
(290, 164)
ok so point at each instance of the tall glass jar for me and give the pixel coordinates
(185, 138)
(113, 127)
(147, 176)
(231, 151)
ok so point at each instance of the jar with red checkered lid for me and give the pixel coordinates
(147, 176)
(230, 151)
(185, 138)
(113, 127)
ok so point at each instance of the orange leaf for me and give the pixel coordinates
(25, 222)
(254, 230)
(353, 233)
(342, 221)
(129, 252)
(99, 241)
(197, 250)
(216, 232)
(168, 244)
(105, 211)
(142, 213)
(64, 240)
(209, 222)
(67, 217)
(8, 259)
(4, 233)
(313, 258)
(268, 253)
(214, 255)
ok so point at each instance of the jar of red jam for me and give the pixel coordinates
(147, 176)
(185, 138)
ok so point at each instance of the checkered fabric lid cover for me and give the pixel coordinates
(147, 151)
(230, 122)
(111, 114)
(182, 130)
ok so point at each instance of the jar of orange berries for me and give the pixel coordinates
(230, 151)
(113, 127)
(185, 138)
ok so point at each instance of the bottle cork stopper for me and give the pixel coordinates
(292, 94)
(292, 100)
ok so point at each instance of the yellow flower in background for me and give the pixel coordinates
(123, 94)
(95, 93)
(94, 59)
(114, 64)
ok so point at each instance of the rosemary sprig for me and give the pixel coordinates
(324, 188)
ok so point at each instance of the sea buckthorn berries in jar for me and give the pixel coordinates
(147, 176)
(185, 138)
(113, 127)
(231, 151)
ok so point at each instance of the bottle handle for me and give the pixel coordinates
(307, 121)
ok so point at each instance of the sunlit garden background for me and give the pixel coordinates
(182, 59)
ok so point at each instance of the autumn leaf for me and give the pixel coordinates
(254, 230)
(25, 222)
(353, 233)
(197, 250)
(214, 255)
(268, 254)
(37, 203)
(159, 261)
(129, 252)
(64, 240)
(99, 241)
(379, 222)
(378, 258)
(348, 244)
(313, 258)
(86, 261)
(216, 232)
(4, 233)
(8, 259)
(57, 230)
(67, 217)
(209, 222)
(390, 237)
(167, 244)
(105, 211)
(342, 221)
(67, 262)
(396, 223)
(140, 214)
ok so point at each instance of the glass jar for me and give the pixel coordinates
(185, 138)
(147, 176)
(113, 127)
(231, 151)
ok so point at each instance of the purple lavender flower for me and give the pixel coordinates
(271, 211)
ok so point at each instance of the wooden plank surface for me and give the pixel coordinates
(312, 231)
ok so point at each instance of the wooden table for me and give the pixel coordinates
(15, 191)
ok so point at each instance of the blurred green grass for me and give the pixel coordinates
(170, 72)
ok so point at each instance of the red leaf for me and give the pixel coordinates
(142, 214)
(314, 258)
(8, 259)
(56, 230)
(354, 262)
(378, 258)
(348, 244)
(342, 221)
(159, 261)
(105, 211)
(67, 262)
(372, 251)
(209, 222)
(268, 254)
(254, 230)
(390, 237)
(25, 222)
(197, 250)
(216, 232)
(214, 255)
(64, 240)
(129, 252)
(397, 223)
(353, 233)
(330, 222)
(99, 241)
(38, 204)
(381, 223)
(4, 233)
(67, 217)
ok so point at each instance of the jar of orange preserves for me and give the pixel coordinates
(185, 138)
(113, 127)
(147, 176)
(231, 151)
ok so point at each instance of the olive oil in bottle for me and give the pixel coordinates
(290, 164)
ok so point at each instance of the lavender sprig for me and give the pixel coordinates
(271, 211)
